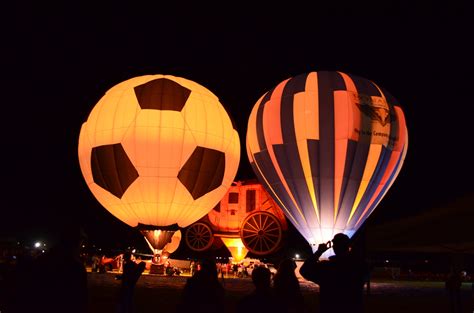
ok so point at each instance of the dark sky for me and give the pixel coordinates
(59, 60)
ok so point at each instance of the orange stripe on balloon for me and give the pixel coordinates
(273, 135)
(350, 86)
(342, 123)
(353, 114)
(299, 115)
(311, 107)
(252, 141)
(403, 135)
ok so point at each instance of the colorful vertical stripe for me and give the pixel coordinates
(327, 146)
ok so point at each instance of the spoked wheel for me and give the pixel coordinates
(199, 237)
(261, 233)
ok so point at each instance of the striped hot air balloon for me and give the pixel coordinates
(327, 146)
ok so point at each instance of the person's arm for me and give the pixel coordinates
(310, 268)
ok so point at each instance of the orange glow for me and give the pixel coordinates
(146, 145)
(236, 247)
(174, 244)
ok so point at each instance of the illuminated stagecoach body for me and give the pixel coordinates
(327, 146)
(246, 219)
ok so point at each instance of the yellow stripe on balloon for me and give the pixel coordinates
(372, 161)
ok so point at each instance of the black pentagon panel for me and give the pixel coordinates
(203, 171)
(112, 169)
(162, 94)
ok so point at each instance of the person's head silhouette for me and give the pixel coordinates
(208, 270)
(261, 278)
(287, 266)
(127, 256)
(340, 244)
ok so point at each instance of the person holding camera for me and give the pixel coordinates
(341, 278)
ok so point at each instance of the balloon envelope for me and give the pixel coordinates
(158, 150)
(327, 146)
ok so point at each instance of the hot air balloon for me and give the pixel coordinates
(246, 219)
(327, 146)
(158, 152)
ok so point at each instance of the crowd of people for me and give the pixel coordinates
(203, 292)
(342, 276)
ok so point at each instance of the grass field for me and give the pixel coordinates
(160, 294)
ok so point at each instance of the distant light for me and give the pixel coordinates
(386, 261)
(17, 242)
(426, 261)
(297, 256)
(83, 246)
(37, 244)
(134, 250)
(42, 251)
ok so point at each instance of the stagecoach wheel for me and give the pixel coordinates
(261, 233)
(199, 237)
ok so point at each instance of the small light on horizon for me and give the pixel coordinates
(386, 261)
(42, 251)
(37, 244)
(134, 250)
(297, 256)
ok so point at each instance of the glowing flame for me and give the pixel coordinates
(236, 247)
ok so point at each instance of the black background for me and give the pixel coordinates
(58, 60)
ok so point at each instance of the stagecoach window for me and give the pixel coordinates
(233, 197)
(250, 201)
(217, 208)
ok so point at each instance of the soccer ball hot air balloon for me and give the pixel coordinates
(327, 146)
(158, 152)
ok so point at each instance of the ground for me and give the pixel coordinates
(160, 294)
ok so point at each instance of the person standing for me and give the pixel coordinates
(263, 298)
(287, 287)
(192, 268)
(341, 279)
(130, 275)
(453, 286)
(202, 292)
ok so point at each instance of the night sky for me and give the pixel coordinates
(58, 61)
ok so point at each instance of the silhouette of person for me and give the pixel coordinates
(130, 275)
(192, 268)
(453, 286)
(202, 292)
(341, 279)
(56, 281)
(287, 287)
(263, 298)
